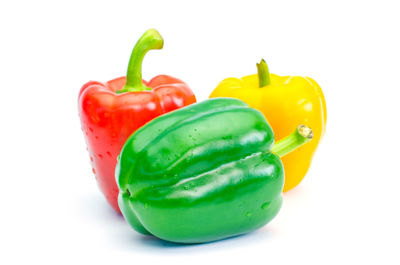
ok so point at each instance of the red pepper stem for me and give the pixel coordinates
(263, 74)
(150, 40)
(300, 136)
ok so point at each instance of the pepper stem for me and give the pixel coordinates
(150, 40)
(263, 74)
(300, 136)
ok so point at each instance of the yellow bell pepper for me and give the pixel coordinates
(286, 102)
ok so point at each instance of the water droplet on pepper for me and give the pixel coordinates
(265, 205)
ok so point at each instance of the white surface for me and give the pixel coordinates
(346, 211)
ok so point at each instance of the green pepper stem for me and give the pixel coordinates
(263, 74)
(300, 136)
(150, 40)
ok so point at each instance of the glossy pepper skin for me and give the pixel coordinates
(201, 173)
(285, 101)
(110, 112)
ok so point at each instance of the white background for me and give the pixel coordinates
(346, 211)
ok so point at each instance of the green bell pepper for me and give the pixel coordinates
(203, 172)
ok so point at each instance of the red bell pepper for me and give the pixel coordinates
(110, 112)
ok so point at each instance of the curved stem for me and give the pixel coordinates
(263, 74)
(150, 40)
(300, 136)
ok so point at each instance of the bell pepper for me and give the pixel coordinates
(111, 111)
(285, 102)
(203, 172)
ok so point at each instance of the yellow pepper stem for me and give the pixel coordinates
(263, 74)
(300, 136)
